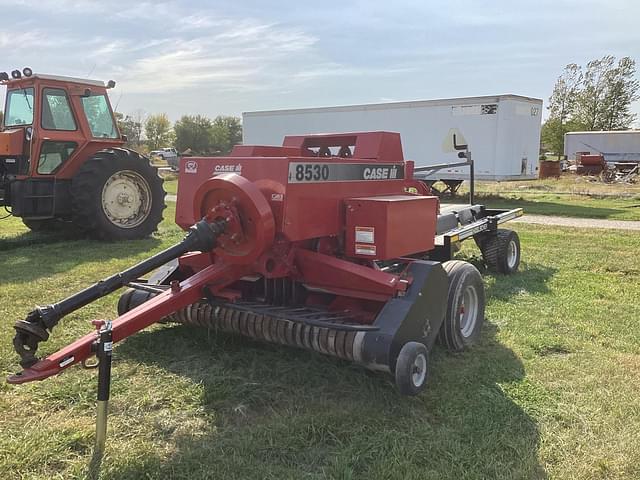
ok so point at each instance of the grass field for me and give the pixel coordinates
(568, 196)
(551, 391)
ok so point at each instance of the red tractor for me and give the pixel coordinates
(62, 160)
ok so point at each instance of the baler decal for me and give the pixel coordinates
(311, 172)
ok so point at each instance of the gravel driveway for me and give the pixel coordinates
(578, 222)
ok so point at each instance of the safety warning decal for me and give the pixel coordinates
(191, 166)
(365, 235)
(365, 249)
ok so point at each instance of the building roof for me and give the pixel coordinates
(390, 105)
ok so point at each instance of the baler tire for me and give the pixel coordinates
(90, 183)
(465, 286)
(412, 368)
(501, 251)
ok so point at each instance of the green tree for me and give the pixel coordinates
(552, 134)
(562, 107)
(230, 132)
(193, 132)
(205, 136)
(158, 131)
(608, 90)
(621, 92)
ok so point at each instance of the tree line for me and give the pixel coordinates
(197, 134)
(595, 97)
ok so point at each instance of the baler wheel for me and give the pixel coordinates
(465, 306)
(412, 368)
(501, 251)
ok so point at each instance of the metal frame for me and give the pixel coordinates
(488, 223)
(441, 166)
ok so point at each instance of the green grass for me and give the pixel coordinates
(567, 206)
(568, 196)
(171, 184)
(551, 391)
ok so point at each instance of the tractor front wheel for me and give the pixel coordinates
(117, 195)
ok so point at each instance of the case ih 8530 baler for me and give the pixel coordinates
(326, 243)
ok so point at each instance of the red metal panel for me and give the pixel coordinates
(11, 142)
(264, 151)
(345, 278)
(390, 226)
(379, 146)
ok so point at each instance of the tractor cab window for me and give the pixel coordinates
(56, 111)
(96, 109)
(19, 109)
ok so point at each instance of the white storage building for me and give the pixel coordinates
(503, 131)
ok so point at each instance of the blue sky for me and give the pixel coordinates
(225, 57)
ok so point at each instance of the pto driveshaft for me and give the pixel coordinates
(39, 323)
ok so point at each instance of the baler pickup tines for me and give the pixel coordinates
(316, 317)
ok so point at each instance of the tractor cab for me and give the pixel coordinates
(53, 128)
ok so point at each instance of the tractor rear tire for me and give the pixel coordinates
(501, 251)
(117, 195)
(465, 306)
(412, 368)
(46, 225)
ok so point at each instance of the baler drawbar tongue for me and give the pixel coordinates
(35, 328)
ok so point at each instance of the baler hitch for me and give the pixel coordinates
(38, 324)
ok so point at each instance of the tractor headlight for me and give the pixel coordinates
(27, 72)
(4, 76)
(16, 74)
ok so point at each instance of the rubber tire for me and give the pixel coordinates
(461, 275)
(404, 368)
(46, 225)
(495, 249)
(86, 194)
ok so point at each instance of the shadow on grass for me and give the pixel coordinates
(29, 238)
(560, 208)
(276, 412)
(53, 254)
(531, 279)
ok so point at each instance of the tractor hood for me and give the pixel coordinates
(12, 142)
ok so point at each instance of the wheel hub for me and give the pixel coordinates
(512, 254)
(468, 311)
(419, 370)
(126, 199)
